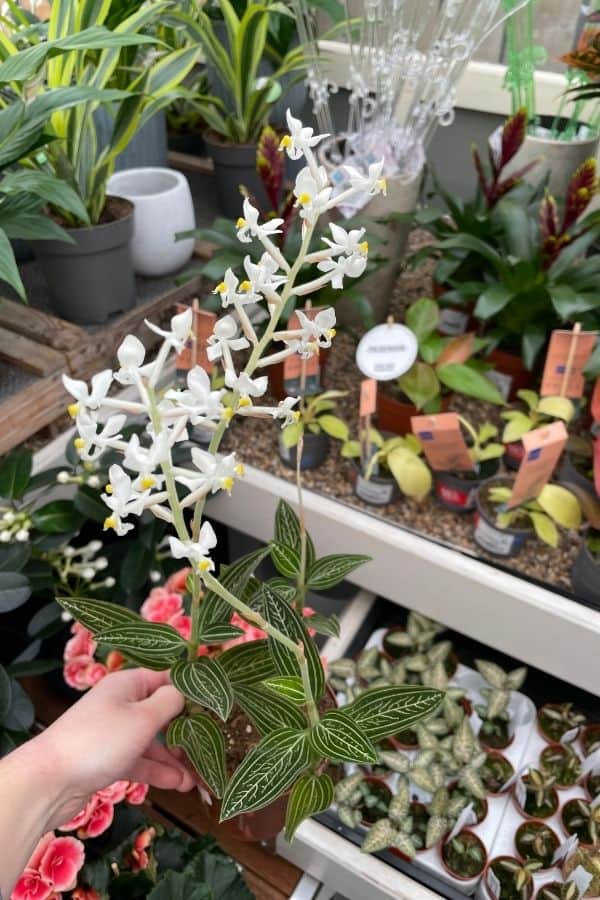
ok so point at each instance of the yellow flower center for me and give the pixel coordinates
(304, 199)
(382, 185)
(245, 286)
(147, 482)
(364, 247)
(241, 223)
(204, 565)
(239, 469)
(220, 288)
(73, 409)
(245, 401)
(109, 488)
(286, 141)
(227, 413)
(227, 483)
(109, 522)
(79, 443)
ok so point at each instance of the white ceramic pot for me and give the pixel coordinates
(162, 207)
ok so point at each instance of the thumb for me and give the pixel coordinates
(163, 705)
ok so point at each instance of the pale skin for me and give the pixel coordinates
(108, 735)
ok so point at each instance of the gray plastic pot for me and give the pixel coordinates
(92, 278)
(314, 451)
(456, 491)
(235, 164)
(497, 541)
(585, 578)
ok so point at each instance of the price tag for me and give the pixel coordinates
(569, 736)
(194, 352)
(582, 879)
(386, 351)
(467, 817)
(565, 849)
(543, 448)
(568, 354)
(443, 442)
(368, 397)
(493, 883)
(302, 377)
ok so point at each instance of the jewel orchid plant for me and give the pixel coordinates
(283, 673)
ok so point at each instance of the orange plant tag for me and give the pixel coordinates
(443, 442)
(595, 405)
(368, 397)
(567, 357)
(302, 376)
(194, 352)
(543, 448)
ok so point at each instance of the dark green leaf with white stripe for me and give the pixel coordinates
(149, 639)
(205, 682)
(267, 710)
(248, 663)
(381, 712)
(266, 772)
(98, 615)
(336, 736)
(328, 571)
(310, 795)
(203, 742)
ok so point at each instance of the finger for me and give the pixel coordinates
(160, 775)
(163, 705)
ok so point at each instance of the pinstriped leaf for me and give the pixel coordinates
(381, 712)
(150, 639)
(287, 620)
(285, 560)
(204, 744)
(330, 570)
(310, 795)
(336, 736)
(234, 577)
(248, 663)
(205, 682)
(289, 686)
(267, 710)
(267, 772)
(217, 634)
(287, 531)
(98, 615)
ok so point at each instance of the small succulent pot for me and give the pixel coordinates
(585, 577)
(536, 841)
(576, 818)
(464, 857)
(505, 542)
(314, 451)
(532, 809)
(382, 794)
(494, 734)
(554, 720)
(592, 785)
(394, 413)
(508, 890)
(514, 454)
(590, 739)
(495, 772)
(480, 807)
(378, 490)
(562, 763)
(457, 490)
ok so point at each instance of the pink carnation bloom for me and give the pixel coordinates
(177, 581)
(136, 793)
(114, 793)
(161, 605)
(31, 886)
(62, 860)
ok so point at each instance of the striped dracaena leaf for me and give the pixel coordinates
(213, 608)
(336, 736)
(282, 616)
(248, 663)
(289, 686)
(267, 710)
(204, 744)
(98, 615)
(325, 573)
(149, 639)
(285, 559)
(287, 531)
(205, 682)
(266, 772)
(381, 712)
(310, 795)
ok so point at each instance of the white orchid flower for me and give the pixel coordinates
(145, 461)
(372, 183)
(300, 139)
(248, 227)
(246, 386)
(177, 335)
(87, 399)
(199, 402)
(196, 551)
(346, 242)
(91, 443)
(131, 355)
(122, 499)
(312, 194)
(224, 339)
(350, 266)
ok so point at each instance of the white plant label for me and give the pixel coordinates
(493, 883)
(565, 849)
(581, 879)
(521, 793)
(386, 351)
(467, 817)
(569, 736)
(591, 763)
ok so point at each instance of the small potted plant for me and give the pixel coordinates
(503, 531)
(540, 797)
(394, 465)
(582, 818)
(554, 720)
(315, 425)
(495, 772)
(561, 761)
(514, 878)
(590, 739)
(536, 841)
(539, 411)
(464, 856)
(456, 490)
(495, 733)
(589, 860)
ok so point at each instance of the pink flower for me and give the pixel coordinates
(31, 886)
(95, 673)
(177, 581)
(182, 624)
(161, 605)
(75, 672)
(62, 860)
(81, 644)
(136, 793)
(114, 793)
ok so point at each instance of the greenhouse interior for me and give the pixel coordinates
(300, 449)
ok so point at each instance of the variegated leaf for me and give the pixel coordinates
(98, 615)
(386, 711)
(379, 837)
(266, 710)
(336, 736)
(267, 771)
(149, 639)
(310, 795)
(204, 744)
(248, 663)
(205, 682)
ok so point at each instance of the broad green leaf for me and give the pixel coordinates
(328, 571)
(98, 615)
(15, 471)
(420, 384)
(561, 505)
(334, 427)
(285, 560)
(205, 682)
(203, 742)
(154, 640)
(248, 663)
(57, 516)
(267, 772)
(310, 795)
(14, 591)
(466, 380)
(267, 710)
(336, 736)
(382, 712)
(289, 686)
(422, 317)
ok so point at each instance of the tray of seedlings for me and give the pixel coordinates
(497, 795)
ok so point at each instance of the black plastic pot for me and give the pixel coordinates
(585, 578)
(456, 490)
(568, 473)
(314, 451)
(235, 165)
(498, 541)
(93, 278)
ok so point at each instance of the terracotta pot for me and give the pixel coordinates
(473, 839)
(511, 365)
(394, 415)
(536, 825)
(489, 867)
